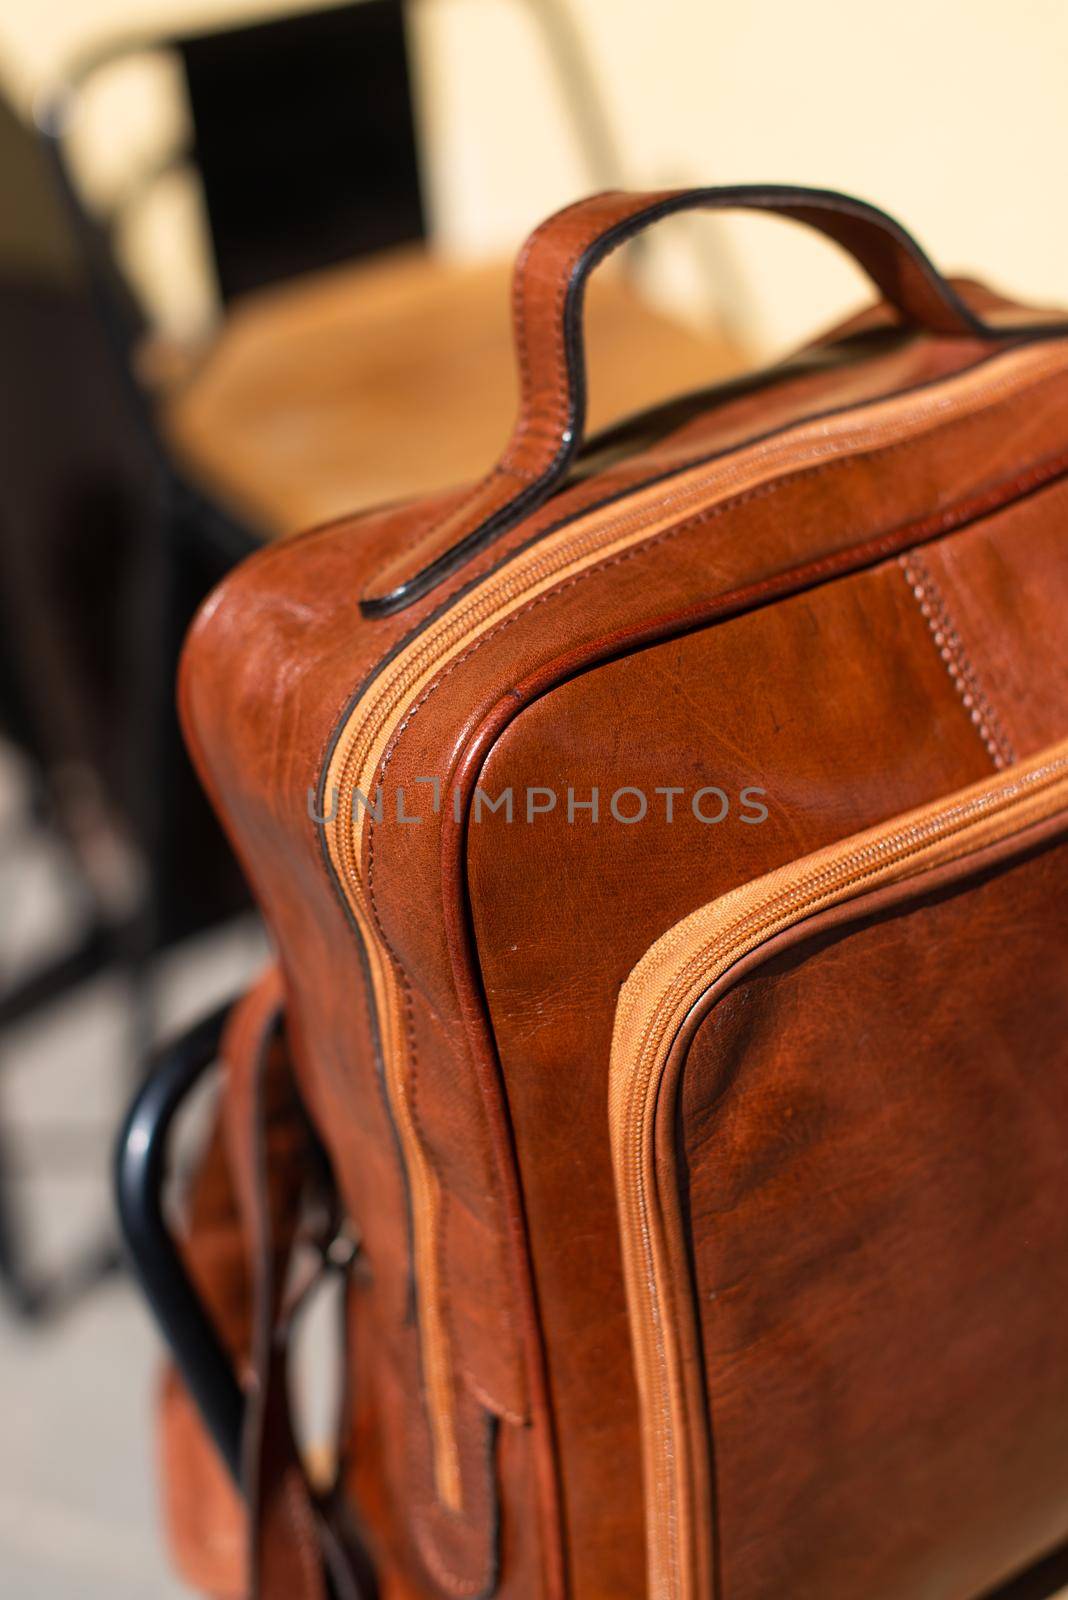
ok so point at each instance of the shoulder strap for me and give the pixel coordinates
(244, 1213)
(268, 1148)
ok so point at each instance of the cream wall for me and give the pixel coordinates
(950, 113)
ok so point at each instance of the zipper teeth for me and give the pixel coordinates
(875, 854)
(636, 1103)
(380, 714)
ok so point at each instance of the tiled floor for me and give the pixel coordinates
(77, 1483)
(77, 1511)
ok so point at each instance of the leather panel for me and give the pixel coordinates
(839, 704)
(879, 1245)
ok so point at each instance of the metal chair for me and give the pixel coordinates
(105, 549)
(108, 537)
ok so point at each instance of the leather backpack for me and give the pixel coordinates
(665, 845)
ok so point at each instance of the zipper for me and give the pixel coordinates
(591, 537)
(654, 1005)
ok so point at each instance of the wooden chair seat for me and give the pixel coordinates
(394, 377)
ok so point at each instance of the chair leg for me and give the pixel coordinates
(31, 1295)
(58, 978)
(16, 1281)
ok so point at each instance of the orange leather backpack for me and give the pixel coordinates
(665, 843)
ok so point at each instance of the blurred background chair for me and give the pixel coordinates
(343, 361)
(348, 362)
(105, 549)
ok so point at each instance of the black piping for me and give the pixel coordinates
(743, 197)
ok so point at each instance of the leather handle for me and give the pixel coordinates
(559, 257)
(549, 286)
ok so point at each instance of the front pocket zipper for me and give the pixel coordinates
(654, 1004)
(592, 537)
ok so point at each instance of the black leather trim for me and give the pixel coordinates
(758, 197)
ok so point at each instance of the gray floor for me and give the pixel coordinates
(77, 1482)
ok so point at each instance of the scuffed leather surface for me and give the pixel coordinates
(874, 1166)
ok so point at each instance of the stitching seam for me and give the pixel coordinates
(440, 1251)
(958, 664)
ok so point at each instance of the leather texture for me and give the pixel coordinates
(877, 622)
(917, 1291)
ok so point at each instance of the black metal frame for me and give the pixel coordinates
(203, 1362)
(189, 543)
(140, 1171)
(121, 316)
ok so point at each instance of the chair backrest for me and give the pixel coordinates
(64, 432)
(35, 237)
(305, 141)
(304, 138)
(103, 556)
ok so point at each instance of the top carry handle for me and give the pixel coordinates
(548, 292)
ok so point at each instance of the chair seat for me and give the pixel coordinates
(392, 378)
